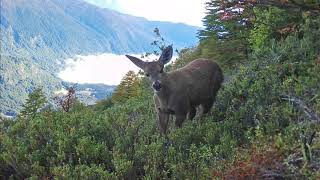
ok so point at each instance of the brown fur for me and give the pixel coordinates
(184, 89)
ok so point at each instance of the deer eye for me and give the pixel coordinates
(147, 75)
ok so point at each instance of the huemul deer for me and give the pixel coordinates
(179, 92)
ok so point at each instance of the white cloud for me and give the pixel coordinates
(105, 68)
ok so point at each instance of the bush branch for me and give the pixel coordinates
(302, 106)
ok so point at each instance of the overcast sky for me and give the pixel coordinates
(185, 11)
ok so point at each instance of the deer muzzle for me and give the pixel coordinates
(156, 85)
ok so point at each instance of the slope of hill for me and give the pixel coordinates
(43, 33)
(264, 124)
(75, 27)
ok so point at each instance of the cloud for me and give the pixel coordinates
(185, 11)
(104, 68)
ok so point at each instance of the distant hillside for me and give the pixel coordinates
(90, 93)
(40, 33)
(68, 27)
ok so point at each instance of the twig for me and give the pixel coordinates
(312, 137)
(272, 175)
(302, 106)
(306, 145)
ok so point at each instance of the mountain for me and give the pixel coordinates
(68, 27)
(90, 93)
(37, 35)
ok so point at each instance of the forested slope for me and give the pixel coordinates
(42, 34)
(264, 124)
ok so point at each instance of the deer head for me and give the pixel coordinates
(154, 70)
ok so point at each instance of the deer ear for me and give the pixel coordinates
(138, 62)
(166, 55)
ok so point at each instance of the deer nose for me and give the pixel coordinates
(156, 85)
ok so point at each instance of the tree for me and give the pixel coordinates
(36, 100)
(66, 101)
(227, 25)
(294, 5)
(128, 87)
(226, 19)
(103, 105)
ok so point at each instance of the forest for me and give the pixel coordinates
(264, 124)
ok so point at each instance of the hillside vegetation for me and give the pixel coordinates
(37, 36)
(264, 125)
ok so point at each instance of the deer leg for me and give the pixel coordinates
(156, 103)
(180, 119)
(192, 113)
(163, 122)
(205, 107)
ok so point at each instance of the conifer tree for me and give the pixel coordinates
(35, 101)
(226, 28)
(128, 87)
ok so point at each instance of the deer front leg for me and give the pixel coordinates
(163, 117)
(180, 119)
(156, 103)
(163, 121)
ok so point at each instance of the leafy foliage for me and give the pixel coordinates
(129, 87)
(226, 30)
(252, 131)
(36, 100)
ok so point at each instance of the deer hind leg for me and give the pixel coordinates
(192, 113)
(206, 106)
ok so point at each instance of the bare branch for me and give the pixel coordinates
(302, 106)
(66, 101)
(272, 174)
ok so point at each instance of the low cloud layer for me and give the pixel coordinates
(105, 68)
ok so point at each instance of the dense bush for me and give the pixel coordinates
(253, 131)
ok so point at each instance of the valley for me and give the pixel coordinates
(37, 37)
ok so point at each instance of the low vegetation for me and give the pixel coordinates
(264, 125)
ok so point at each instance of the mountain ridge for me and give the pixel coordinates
(40, 35)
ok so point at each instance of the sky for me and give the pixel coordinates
(185, 11)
